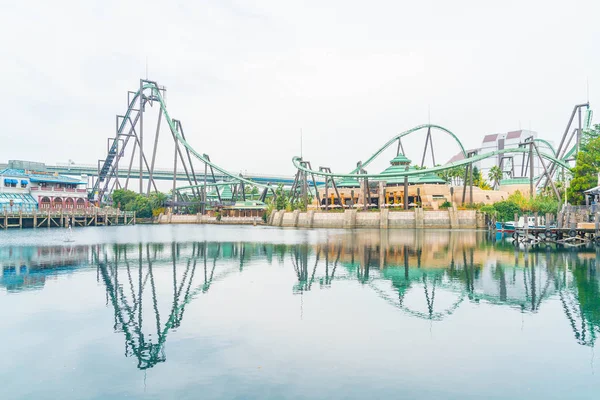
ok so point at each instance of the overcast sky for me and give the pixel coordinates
(245, 77)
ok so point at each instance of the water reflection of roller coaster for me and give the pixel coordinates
(400, 275)
(149, 286)
(128, 273)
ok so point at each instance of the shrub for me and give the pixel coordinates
(545, 205)
(506, 210)
(158, 211)
(446, 204)
(488, 209)
(520, 200)
(474, 206)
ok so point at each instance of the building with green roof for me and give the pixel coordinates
(424, 188)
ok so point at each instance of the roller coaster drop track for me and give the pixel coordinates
(150, 93)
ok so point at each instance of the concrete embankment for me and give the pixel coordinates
(384, 219)
(205, 219)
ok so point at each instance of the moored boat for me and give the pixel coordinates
(508, 227)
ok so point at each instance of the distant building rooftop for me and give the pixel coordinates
(40, 176)
(27, 165)
(490, 138)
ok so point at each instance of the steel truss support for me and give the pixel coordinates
(400, 147)
(365, 189)
(512, 165)
(561, 151)
(179, 152)
(299, 190)
(428, 142)
(328, 180)
(115, 155)
(214, 180)
(533, 146)
(469, 179)
(132, 126)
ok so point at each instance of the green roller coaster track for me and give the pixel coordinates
(296, 160)
(406, 133)
(156, 96)
(553, 157)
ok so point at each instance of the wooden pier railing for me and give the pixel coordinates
(63, 217)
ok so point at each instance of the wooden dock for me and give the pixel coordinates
(62, 218)
(568, 236)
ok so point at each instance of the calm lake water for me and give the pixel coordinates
(216, 312)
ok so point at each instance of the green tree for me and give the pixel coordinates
(477, 178)
(495, 175)
(157, 200)
(544, 204)
(141, 206)
(121, 198)
(587, 166)
(506, 210)
(445, 174)
(521, 201)
(458, 173)
(280, 198)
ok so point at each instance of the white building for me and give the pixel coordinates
(514, 165)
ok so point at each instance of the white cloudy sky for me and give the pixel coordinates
(245, 77)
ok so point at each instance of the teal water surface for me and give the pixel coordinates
(218, 312)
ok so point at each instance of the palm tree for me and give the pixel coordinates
(495, 175)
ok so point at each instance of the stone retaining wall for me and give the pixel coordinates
(205, 219)
(384, 219)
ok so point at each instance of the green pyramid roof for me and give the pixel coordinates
(395, 168)
(400, 159)
(224, 191)
(430, 178)
(348, 183)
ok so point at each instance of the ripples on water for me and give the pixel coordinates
(224, 312)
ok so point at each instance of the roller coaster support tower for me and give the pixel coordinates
(130, 127)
